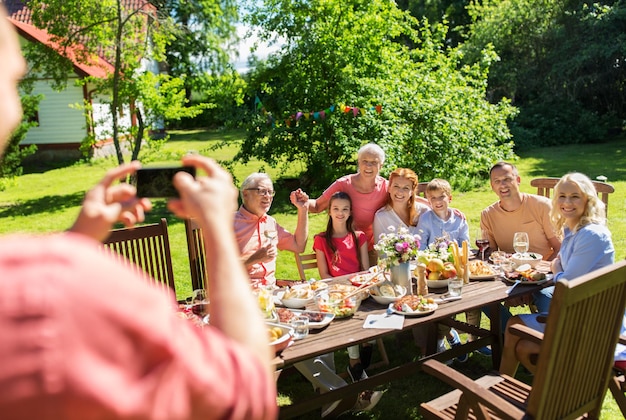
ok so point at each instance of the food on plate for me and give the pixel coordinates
(388, 290)
(317, 285)
(414, 303)
(480, 268)
(275, 333)
(285, 315)
(302, 291)
(526, 273)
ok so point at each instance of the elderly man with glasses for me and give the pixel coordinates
(259, 235)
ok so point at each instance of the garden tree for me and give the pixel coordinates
(561, 63)
(129, 34)
(203, 29)
(433, 114)
(452, 12)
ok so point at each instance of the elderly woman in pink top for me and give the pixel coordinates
(367, 190)
(259, 235)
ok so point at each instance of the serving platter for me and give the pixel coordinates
(524, 281)
(327, 318)
(434, 307)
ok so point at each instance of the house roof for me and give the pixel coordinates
(21, 17)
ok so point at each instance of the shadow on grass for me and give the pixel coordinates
(39, 166)
(46, 204)
(201, 135)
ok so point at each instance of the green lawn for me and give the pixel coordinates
(47, 199)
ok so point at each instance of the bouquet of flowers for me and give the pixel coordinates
(439, 249)
(397, 247)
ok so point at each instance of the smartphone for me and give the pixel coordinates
(156, 182)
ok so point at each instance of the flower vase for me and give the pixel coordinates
(401, 275)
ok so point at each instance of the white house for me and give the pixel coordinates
(62, 124)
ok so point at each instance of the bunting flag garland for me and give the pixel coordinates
(295, 118)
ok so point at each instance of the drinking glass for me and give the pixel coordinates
(482, 242)
(520, 242)
(455, 287)
(300, 325)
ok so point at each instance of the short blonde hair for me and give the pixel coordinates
(438, 184)
(595, 211)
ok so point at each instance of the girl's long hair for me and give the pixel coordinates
(411, 176)
(595, 211)
(340, 195)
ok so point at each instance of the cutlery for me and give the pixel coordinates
(510, 289)
(445, 299)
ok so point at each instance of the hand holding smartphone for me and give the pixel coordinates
(156, 182)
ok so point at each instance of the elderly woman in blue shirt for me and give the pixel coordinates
(579, 216)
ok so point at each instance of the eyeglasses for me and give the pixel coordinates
(262, 191)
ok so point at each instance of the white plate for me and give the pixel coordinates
(418, 313)
(525, 282)
(317, 325)
(437, 284)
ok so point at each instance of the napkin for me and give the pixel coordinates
(384, 321)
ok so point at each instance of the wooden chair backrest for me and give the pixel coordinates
(545, 186)
(305, 262)
(576, 356)
(146, 248)
(197, 254)
(421, 189)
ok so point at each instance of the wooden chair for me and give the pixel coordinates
(146, 248)
(305, 262)
(197, 254)
(421, 189)
(573, 365)
(309, 261)
(617, 385)
(545, 186)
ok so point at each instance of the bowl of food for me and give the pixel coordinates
(338, 303)
(297, 296)
(346, 288)
(531, 258)
(279, 336)
(387, 292)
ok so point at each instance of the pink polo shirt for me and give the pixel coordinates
(250, 233)
(83, 337)
(364, 206)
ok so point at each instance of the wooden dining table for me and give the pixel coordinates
(342, 333)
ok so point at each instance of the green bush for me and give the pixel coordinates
(11, 161)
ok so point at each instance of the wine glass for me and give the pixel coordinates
(521, 243)
(482, 242)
